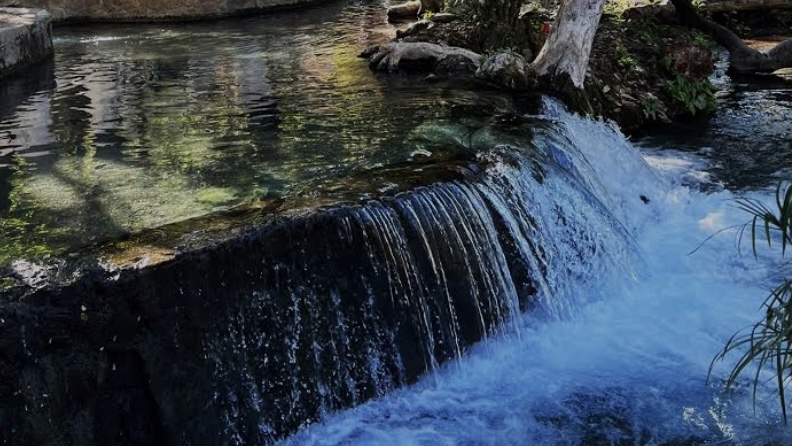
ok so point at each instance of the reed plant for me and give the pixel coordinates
(768, 343)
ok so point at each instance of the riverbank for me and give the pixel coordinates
(643, 69)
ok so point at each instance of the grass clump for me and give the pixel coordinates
(768, 343)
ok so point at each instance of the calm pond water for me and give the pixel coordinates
(137, 126)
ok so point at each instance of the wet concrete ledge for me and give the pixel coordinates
(154, 10)
(25, 37)
(148, 353)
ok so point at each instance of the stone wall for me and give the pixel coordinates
(244, 341)
(150, 10)
(25, 37)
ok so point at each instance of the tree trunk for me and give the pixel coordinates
(742, 58)
(565, 54)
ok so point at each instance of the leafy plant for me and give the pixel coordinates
(625, 59)
(702, 40)
(768, 344)
(651, 107)
(699, 4)
(616, 8)
(428, 15)
(511, 50)
(695, 96)
(648, 33)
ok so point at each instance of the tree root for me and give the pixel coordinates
(742, 58)
(421, 56)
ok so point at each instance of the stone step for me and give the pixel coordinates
(25, 37)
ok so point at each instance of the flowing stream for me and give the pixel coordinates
(627, 361)
(565, 289)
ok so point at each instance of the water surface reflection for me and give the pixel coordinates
(149, 124)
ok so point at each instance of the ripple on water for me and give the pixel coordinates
(141, 125)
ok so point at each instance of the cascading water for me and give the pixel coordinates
(377, 294)
(555, 264)
(627, 319)
(370, 297)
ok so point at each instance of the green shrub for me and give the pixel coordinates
(651, 107)
(694, 96)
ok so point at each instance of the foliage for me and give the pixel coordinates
(616, 8)
(487, 13)
(625, 58)
(667, 63)
(649, 33)
(651, 107)
(493, 24)
(695, 96)
(768, 344)
(702, 40)
(428, 15)
(731, 20)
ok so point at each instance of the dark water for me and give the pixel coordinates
(137, 126)
(748, 143)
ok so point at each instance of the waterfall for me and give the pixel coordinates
(360, 300)
(615, 346)
(533, 288)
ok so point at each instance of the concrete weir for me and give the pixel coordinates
(25, 37)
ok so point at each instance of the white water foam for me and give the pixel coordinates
(631, 367)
